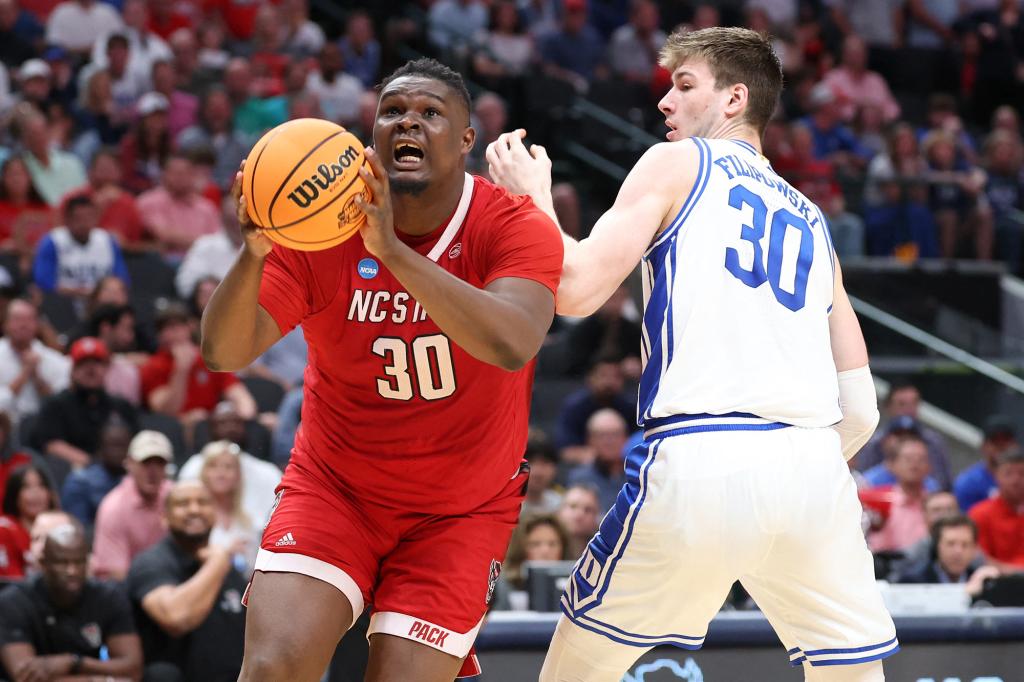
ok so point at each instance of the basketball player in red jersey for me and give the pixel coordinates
(406, 477)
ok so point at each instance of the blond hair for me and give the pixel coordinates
(214, 450)
(734, 55)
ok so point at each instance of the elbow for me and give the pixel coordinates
(513, 357)
(177, 624)
(217, 361)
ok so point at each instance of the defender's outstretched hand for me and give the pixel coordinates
(257, 243)
(379, 230)
(517, 169)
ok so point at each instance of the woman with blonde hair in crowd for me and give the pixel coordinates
(221, 473)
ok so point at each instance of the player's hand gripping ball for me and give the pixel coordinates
(300, 184)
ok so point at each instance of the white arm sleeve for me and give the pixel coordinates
(859, 404)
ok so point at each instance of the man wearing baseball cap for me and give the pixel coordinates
(69, 422)
(130, 518)
(978, 482)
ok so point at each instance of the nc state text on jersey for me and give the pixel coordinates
(378, 306)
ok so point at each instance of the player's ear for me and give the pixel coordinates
(738, 98)
(468, 139)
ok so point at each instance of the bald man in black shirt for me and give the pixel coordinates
(55, 625)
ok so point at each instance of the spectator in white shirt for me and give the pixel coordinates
(144, 46)
(75, 25)
(305, 38)
(29, 371)
(338, 92)
(210, 255)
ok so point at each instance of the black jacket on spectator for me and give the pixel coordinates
(213, 651)
(27, 615)
(929, 574)
(76, 416)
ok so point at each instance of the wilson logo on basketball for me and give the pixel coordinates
(308, 191)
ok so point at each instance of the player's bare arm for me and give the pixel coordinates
(647, 202)
(503, 324)
(857, 397)
(235, 328)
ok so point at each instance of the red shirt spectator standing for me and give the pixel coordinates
(1000, 520)
(176, 381)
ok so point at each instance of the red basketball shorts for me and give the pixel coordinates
(429, 578)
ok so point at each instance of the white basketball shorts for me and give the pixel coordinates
(772, 506)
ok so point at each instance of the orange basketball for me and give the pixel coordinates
(300, 183)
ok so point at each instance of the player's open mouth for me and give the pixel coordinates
(407, 156)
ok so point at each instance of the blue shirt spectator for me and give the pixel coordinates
(84, 489)
(360, 49)
(904, 229)
(576, 47)
(974, 484)
(901, 406)
(880, 475)
(75, 258)
(977, 483)
(603, 389)
(607, 434)
(454, 23)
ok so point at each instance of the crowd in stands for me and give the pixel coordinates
(135, 482)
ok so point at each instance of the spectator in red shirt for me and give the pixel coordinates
(28, 493)
(24, 216)
(117, 209)
(176, 381)
(10, 457)
(238, 15)
(1000, 519)
(165, 18)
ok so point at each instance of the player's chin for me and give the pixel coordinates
(409, 181)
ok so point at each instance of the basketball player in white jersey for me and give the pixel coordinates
(755, 388)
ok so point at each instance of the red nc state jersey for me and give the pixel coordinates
(393, 409)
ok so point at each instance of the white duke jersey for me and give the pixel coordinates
(737, 294)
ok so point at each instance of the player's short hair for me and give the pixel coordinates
(426, 67)
(958, 521)
(734, 55)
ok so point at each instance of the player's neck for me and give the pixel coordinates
(730, 130)
(422, 214)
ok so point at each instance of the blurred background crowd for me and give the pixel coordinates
(122, 124)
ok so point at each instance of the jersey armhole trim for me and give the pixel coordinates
(699, 184)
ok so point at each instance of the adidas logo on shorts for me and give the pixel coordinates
(285, 540)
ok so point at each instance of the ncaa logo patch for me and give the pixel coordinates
(368, 268)
(455, 251)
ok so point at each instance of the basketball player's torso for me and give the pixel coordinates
(390, 399)
(737, 293)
